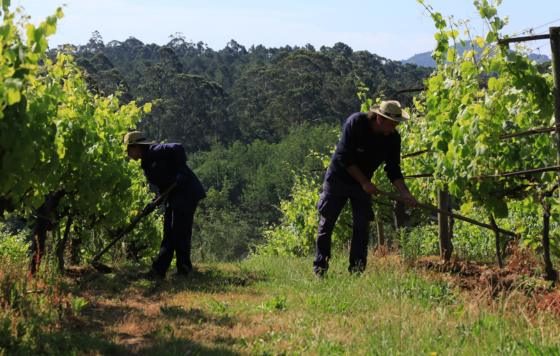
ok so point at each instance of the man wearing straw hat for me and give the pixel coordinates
(367, 141)
(165, 164)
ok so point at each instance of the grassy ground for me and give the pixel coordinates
(276, 306)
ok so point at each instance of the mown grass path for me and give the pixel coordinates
(276, 305)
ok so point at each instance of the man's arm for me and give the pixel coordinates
(359, 176)
(345, 154)
(370, 188)
(404, 192)
(394, 173)
(179, 159)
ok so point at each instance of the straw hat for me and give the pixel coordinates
(136, 138)
(391, 109)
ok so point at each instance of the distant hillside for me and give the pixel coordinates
(204, 96)
(425, 59)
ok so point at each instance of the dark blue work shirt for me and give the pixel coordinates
(359, 145)
(166, 163)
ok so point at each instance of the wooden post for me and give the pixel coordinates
(380, 232)
(61, 245)
(399, 215)
(75, 246)
(451, 219)
(550, 273)
(555, 49)
(445, 244)
(497, 236)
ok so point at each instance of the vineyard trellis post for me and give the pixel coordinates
(497, 241)
(445, 244)
(555, 50)
(549, 272)
(381, 242)
(399, 215)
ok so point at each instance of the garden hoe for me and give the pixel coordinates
(435, 209)
(120, 233)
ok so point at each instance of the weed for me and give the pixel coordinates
(165, 332)
(277, 303)
(77, 304)
(219, 308)
(422, 291)
(175, 311)
(419, 241)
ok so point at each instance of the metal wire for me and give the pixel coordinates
(532, 29)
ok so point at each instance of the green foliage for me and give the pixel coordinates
(418, 241)
(277, 303)
(77, 304)
(246, 183)
(468, 103)
(29, 308)
(13, 247)
(204, 97)
(296, 233)
(58, 137)
(221, 232)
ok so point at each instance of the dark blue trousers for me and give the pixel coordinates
(330, 205)
(177, 233)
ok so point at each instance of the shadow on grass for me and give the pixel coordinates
(207, 280)
(183, 346)
(96, 316)
(196, 316)
(103, 284)
(90, 333)
(66, 342)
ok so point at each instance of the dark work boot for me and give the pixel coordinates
(184, 270)
(319, 272)
(320, 265)
(152, 275)
(357, 268)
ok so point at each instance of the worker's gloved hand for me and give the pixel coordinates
(409, 200)
(370, 188)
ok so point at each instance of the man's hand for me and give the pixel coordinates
(370, 188)
(408, 199)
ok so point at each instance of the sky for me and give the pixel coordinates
(395, 29)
